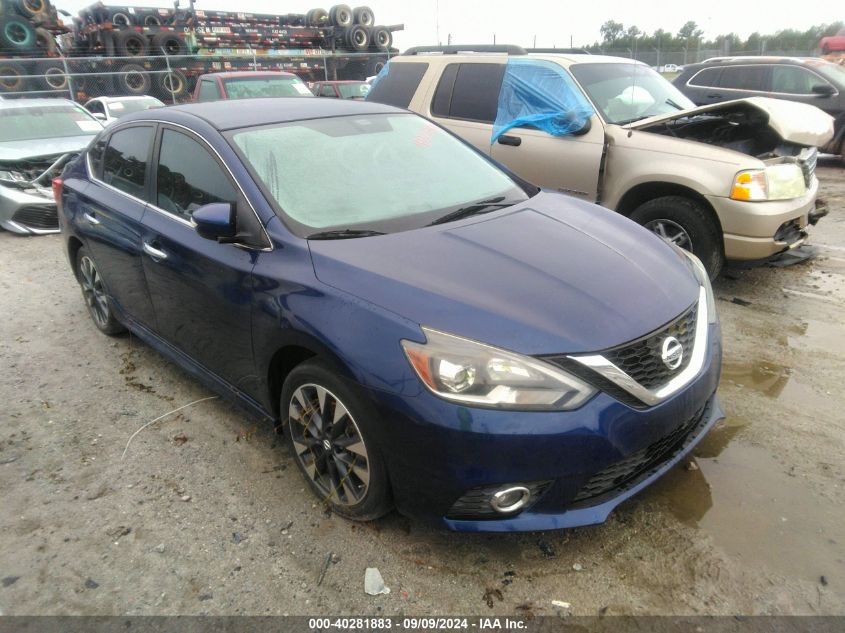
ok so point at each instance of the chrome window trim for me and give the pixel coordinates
(168, 214)
(762, 92)
(614, 374)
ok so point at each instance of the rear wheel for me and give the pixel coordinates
(685, 223)
(330, 432)
(94, 293)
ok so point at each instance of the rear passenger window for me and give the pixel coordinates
(398, 86)
(707, 77)
(743, 77)
(208, 90)
(125, 160)
(471, 91)
(188, 177)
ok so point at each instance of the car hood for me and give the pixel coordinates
(794, 122)
(27, 150)
(551, 275)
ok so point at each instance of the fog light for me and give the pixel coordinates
(510, 499)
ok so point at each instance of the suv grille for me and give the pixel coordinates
(44, 218)
(628, 472)
(808, 159)
(642, 359)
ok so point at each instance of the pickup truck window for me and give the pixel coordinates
(208, 90)
(469, 91)
(398, 84)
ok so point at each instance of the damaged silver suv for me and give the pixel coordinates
(37, 138)
(733, 180)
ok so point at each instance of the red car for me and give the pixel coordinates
(342, 89)
(833, 43)
(249, 84)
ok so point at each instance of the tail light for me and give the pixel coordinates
(57, 192)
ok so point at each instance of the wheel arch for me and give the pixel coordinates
(643, 192)
(73, 246)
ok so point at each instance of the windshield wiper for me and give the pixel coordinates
(476, 208)
(342, 234)
(673, 104)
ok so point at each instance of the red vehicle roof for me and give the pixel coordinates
(249, 73)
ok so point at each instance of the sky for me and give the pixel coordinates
(551, 23)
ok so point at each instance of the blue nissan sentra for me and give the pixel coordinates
(431, 332)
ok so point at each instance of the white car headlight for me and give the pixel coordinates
(700, 273)
(783, 181)
(462, 370)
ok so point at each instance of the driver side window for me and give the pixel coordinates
(188, 177)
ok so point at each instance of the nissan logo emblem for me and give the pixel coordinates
(672, 352)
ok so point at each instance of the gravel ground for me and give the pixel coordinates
(207, 514)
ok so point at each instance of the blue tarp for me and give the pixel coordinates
(540, 94)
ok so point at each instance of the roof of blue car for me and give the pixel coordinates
(237, 113)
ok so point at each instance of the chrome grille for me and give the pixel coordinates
(808, 159)
(642, 360)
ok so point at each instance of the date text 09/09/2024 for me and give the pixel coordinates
(415, 624)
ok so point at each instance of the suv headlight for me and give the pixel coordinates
(700, 273)
(783, 181)
(465, 371)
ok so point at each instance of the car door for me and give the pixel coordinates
(570, 164)
(201, 289)
(466, 98)
(112, 208)
(737, 82)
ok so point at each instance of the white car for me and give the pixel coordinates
(109, 109)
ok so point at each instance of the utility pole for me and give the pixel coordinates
(535, 41)
(494, 39)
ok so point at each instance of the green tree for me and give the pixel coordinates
(611, 30)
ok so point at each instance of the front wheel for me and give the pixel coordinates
(685, 223)
(330, 432)
(94, 293)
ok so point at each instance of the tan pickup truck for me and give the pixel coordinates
(733, 180)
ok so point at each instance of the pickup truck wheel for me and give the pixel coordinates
(685, 223)
(329, 432)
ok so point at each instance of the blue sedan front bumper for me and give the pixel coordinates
(590, 459)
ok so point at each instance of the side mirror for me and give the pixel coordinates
(823, 90)
(215, 221)
(99, 116)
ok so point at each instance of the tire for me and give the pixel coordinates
(172, 43)
(340, 15)
(364, 16)
(151, 19)
(100, 307)
(357, 37)
(13, 77)
(673, 213)
(54, 76)
(173, 84)
(32, 8)
(16, 34)
(319, 17)
(45, 41)
(365, 495)
(382, 39)
(373, 66)
(121, 19)
(133, 80)
(130, 44)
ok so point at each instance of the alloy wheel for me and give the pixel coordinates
(94, 292)
(671, 232)
(328, 444)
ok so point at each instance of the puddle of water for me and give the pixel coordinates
(768, 378)
(756, 512)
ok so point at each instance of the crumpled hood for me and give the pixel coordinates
(794, 122)
(551, 275)
(28, 150)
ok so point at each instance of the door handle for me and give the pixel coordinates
(507, 139)
(156, 254)
(715, 95)
(91, 218)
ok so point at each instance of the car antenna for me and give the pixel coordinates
(633, 88)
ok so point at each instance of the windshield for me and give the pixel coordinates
(122, 108)
(628, 92)
(39, 122)
(353, 91)
(385, 172)
(251, 88)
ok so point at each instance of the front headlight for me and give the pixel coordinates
(783, 181)
(700, 273)
(465, 371)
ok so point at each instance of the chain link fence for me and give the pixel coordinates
(661, 59)
(171, 78)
